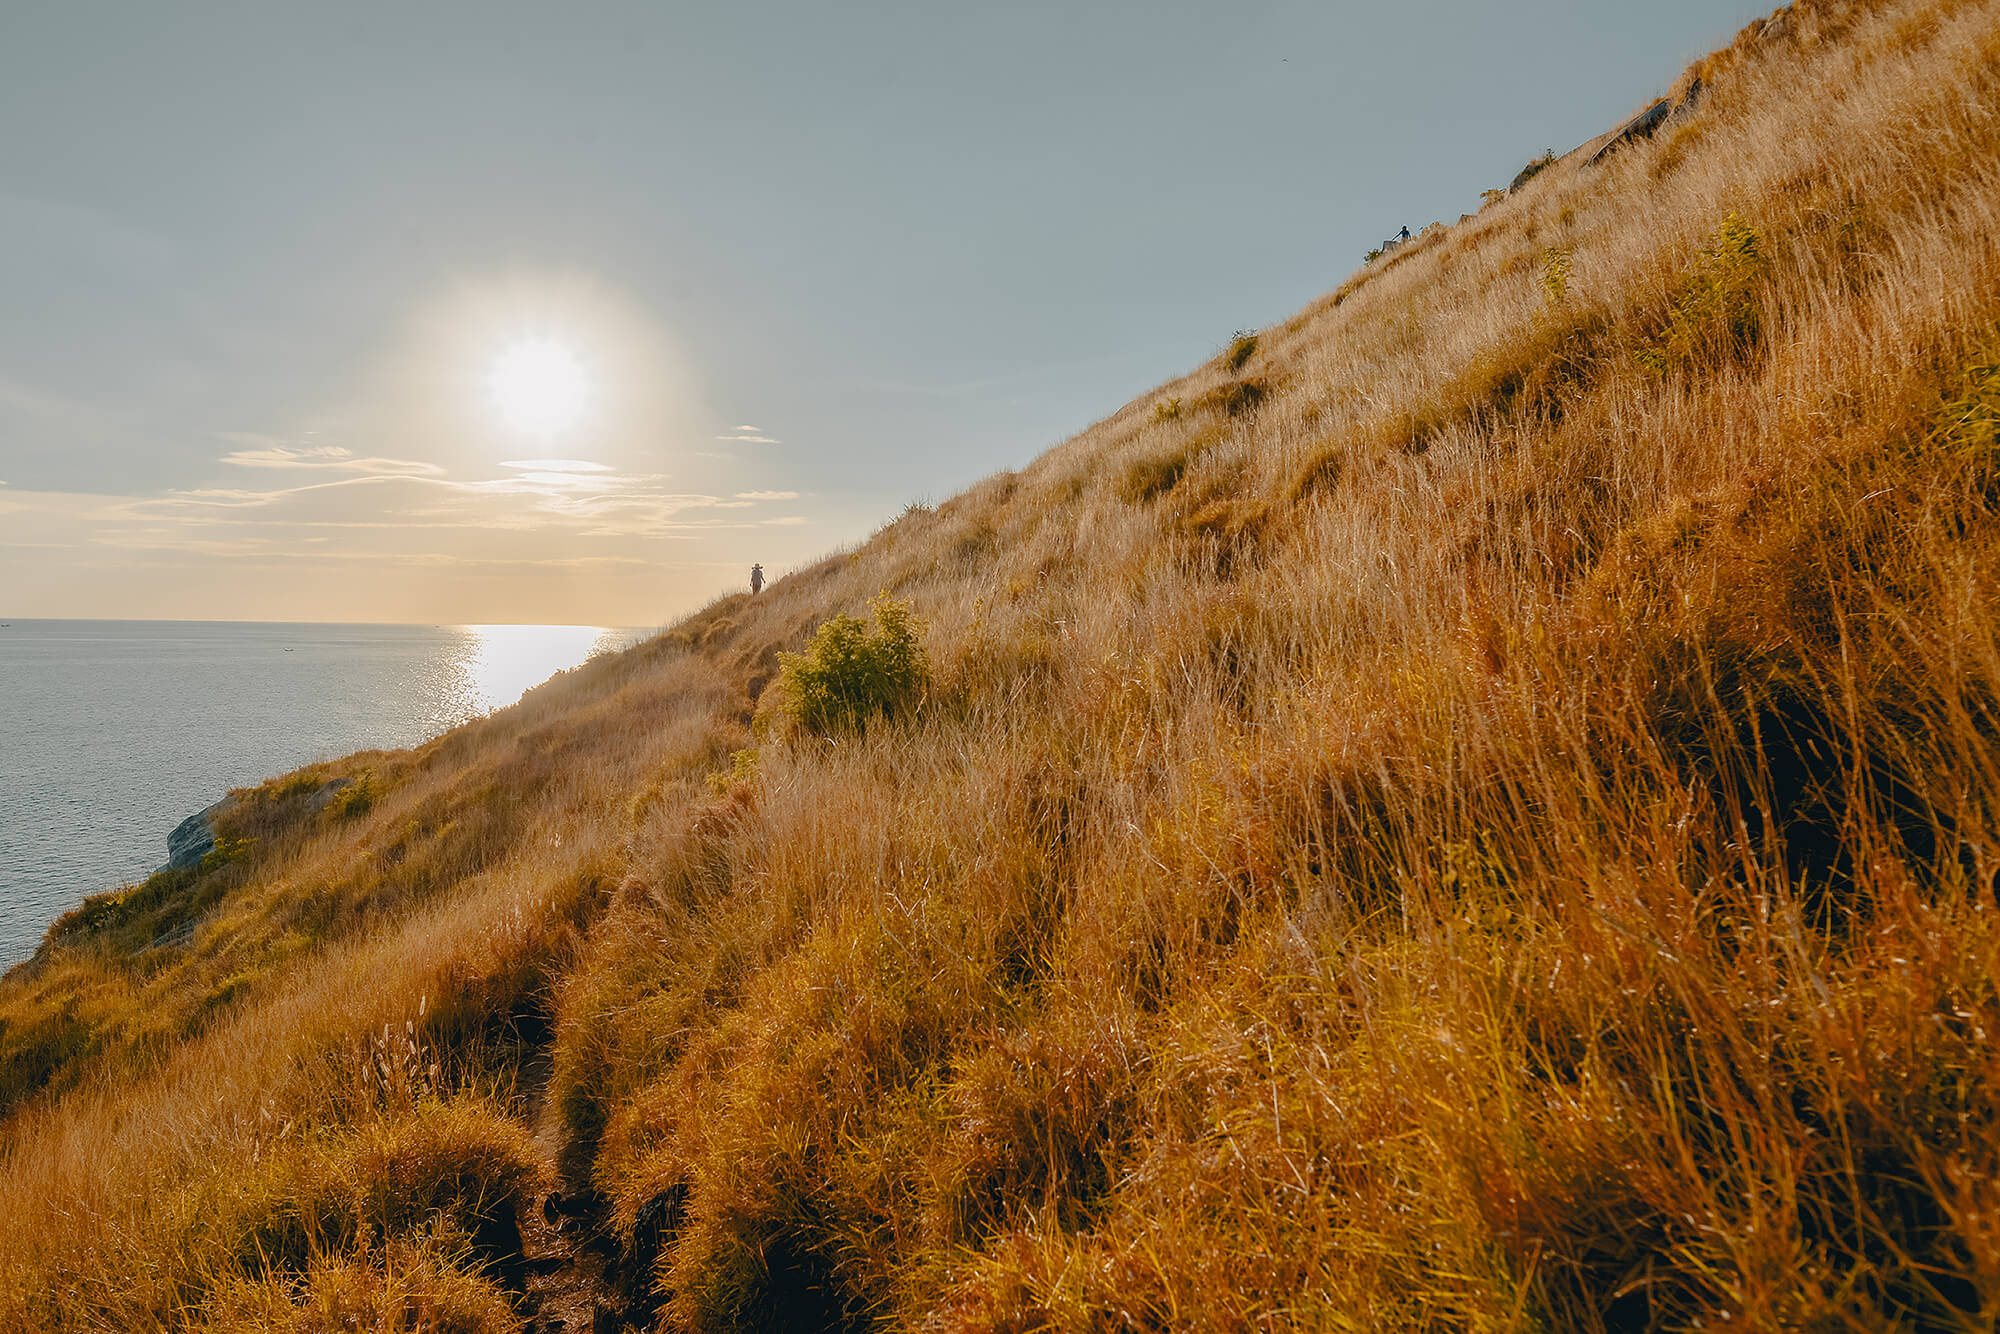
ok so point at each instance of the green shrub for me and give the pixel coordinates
(850, 675)
(355, 799)
(1167, 409)
(1715, 310)
(225, 851)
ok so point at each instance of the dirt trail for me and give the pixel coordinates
(568, 1253)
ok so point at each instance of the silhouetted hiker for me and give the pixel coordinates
(1404, 235)
(756, 580)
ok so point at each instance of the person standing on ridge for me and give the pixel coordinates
(756, 580)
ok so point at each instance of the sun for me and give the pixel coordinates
(538, 386)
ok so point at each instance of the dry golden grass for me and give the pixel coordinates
(1480, 817)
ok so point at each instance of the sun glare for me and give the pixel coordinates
(539, 386)
(506, 660)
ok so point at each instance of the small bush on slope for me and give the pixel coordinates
(850, 675)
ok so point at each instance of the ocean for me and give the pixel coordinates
(113, 732)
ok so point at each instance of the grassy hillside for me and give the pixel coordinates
(1474, 810)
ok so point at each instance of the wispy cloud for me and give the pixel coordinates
(767, 495)
(329, 457)
(556, 465)
(557, 481)
(160, 540)
(787, 521)
(235, 497)
(748, 435)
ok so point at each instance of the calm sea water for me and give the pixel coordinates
(112, 732)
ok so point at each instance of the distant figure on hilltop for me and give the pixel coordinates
(1403, 235)
(756, 580)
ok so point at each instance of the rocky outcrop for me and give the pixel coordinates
(194, 837)
(1646, 123)
(1642, 126)
(1804, 21)
(1529, 172)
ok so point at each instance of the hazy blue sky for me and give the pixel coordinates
(257, 260)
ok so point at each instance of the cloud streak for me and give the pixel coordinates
(328, 457)
(556, 496)
(556, 465)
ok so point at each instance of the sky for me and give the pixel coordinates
(497, 312)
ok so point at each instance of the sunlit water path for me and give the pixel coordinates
(112, 732)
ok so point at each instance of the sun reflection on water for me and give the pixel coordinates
(506, 660)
